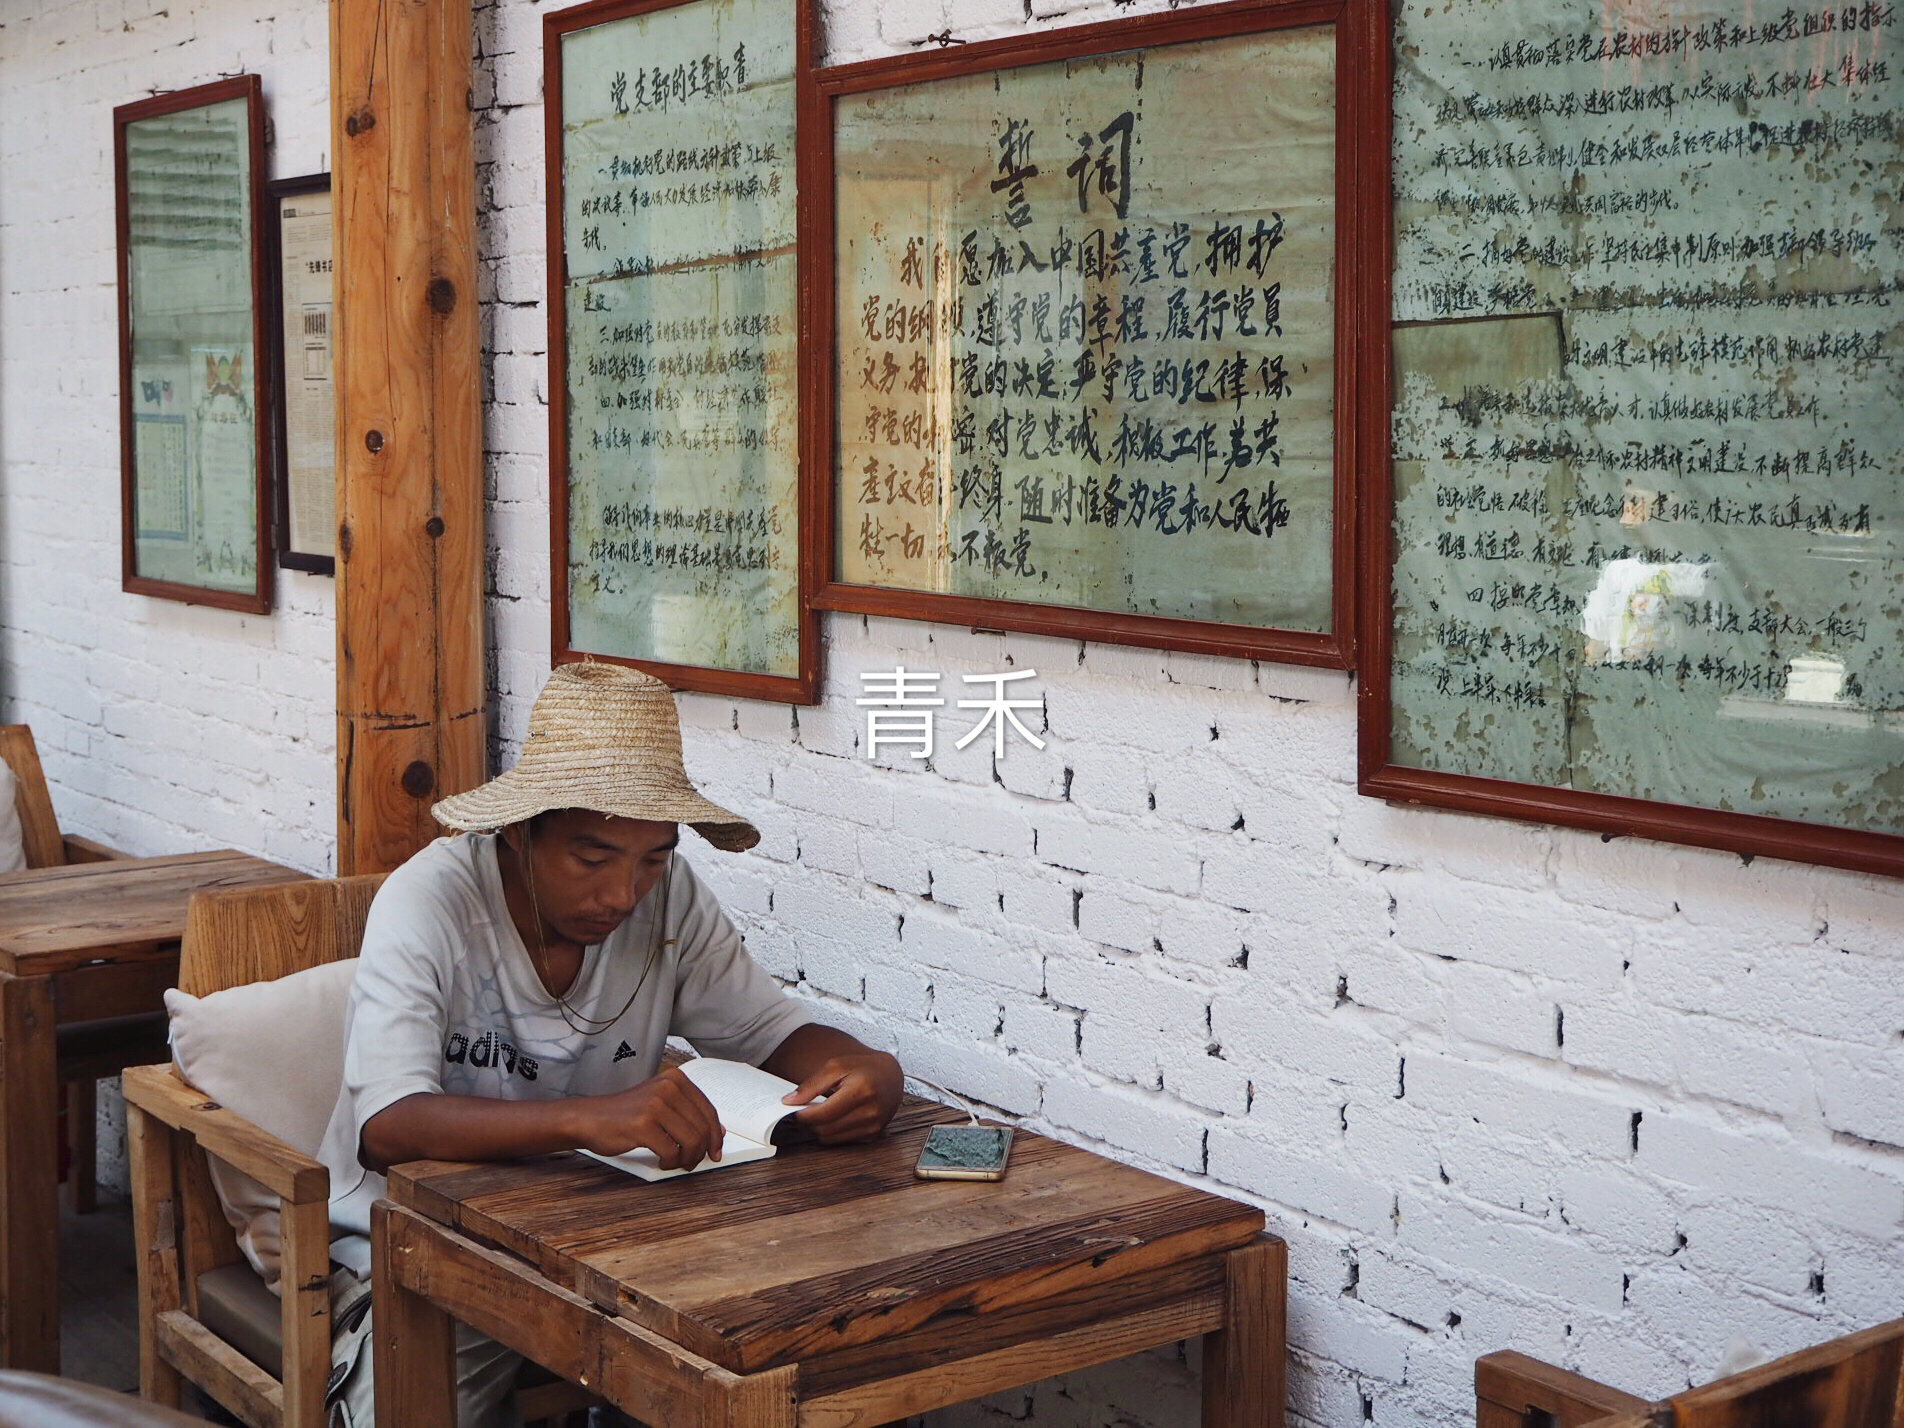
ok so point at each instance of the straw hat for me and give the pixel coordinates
(605, 738)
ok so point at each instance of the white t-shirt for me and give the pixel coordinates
(446, 1000)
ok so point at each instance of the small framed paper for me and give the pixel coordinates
(1094, 312)
(304, 418)
(188, 171)
(677, 405)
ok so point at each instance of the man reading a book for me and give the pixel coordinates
(517, 984)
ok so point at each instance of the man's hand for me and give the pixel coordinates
(667, 1114)
(862, 1088)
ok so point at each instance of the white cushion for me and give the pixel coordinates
(12, 835)
(272, 1052)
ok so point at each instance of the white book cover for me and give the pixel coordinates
(748, 1101)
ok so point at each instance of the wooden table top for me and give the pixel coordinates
(836, 1256)
(121, 910)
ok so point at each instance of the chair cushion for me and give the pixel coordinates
(234, 1304)
(12, 835)
(272, 1052)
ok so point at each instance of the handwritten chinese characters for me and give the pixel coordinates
(1646, 439)
(678, 200)
(1084, 332)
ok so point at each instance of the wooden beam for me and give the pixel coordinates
(410, 695)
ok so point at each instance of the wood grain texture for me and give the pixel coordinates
(1037, 1356)
(1243, 1360)
(155, 1242)
(206, 1241)
(305, 1304)
(260, 934)
(819, 1251)
(409, 424)
(234, 1380)
(32, 800)
(56, 919)
(29, 1200)
(1508, 1385)
(159, 1092)
(1852, 1382)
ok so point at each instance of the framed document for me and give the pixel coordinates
(1633, 538)
(677, 422)
(189, 176)
(1093, 310)
(304, 418)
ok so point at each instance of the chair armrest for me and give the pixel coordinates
(1508, 1384)
(161, 1094)
(85, 850)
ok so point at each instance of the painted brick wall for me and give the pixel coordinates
(164, 727)
(1499, 1086)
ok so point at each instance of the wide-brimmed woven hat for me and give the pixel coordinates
(605, 738)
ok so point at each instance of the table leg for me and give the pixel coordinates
(413, 1341)
(1243, 1361)
(82, 1139)
(29, 1192)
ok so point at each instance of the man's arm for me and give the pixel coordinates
(666, 1113)
(862, 1086)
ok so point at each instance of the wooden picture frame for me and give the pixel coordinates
(1380, 774)
(1360, 101)
(794, 643)
(186, 440)
(299, 349)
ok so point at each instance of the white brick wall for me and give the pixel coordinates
(163, 727)
(1497, 1085)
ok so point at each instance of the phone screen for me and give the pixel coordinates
(965, 1148)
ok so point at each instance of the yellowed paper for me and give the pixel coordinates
(310, 406)
(1085, 332)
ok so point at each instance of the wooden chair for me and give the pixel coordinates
(88, 1051)
(1852, 1382)
(204, 1314)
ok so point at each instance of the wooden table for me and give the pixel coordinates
(825, 1288)
(77, 943)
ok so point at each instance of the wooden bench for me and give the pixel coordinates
(1852, 1382)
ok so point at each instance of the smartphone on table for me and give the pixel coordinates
(964, 1153)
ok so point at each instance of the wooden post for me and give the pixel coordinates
(410, 695)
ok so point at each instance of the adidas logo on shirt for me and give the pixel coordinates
(623, 1052)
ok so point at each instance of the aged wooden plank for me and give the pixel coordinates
(1509, 1384)
(260, 934)
(1851, 1382)
(412, 1339)
(1197, 1289)
(29, 1199)
(1244, 1360)
(159, 1092)
(62, 918)
(305, 1290)
(155, 1241)
(31, 798)
(409, 424)
(116, 989)
(641, 1372)
(215, 1366)
(1039, 1357)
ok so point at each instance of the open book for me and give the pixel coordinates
(747, 1099)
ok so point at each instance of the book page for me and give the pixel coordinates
(644, 1163)
(747, 1098)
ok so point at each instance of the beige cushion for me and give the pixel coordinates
(272, 1052)
(12, 835)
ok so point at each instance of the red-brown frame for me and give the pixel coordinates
(1361, 99)
(803, 688)
(1607, 814)
(249, 88)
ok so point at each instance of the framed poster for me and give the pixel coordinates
(1093, 310)
(304, 418)
(1633, 535)
(193, 447)
(677, 422)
